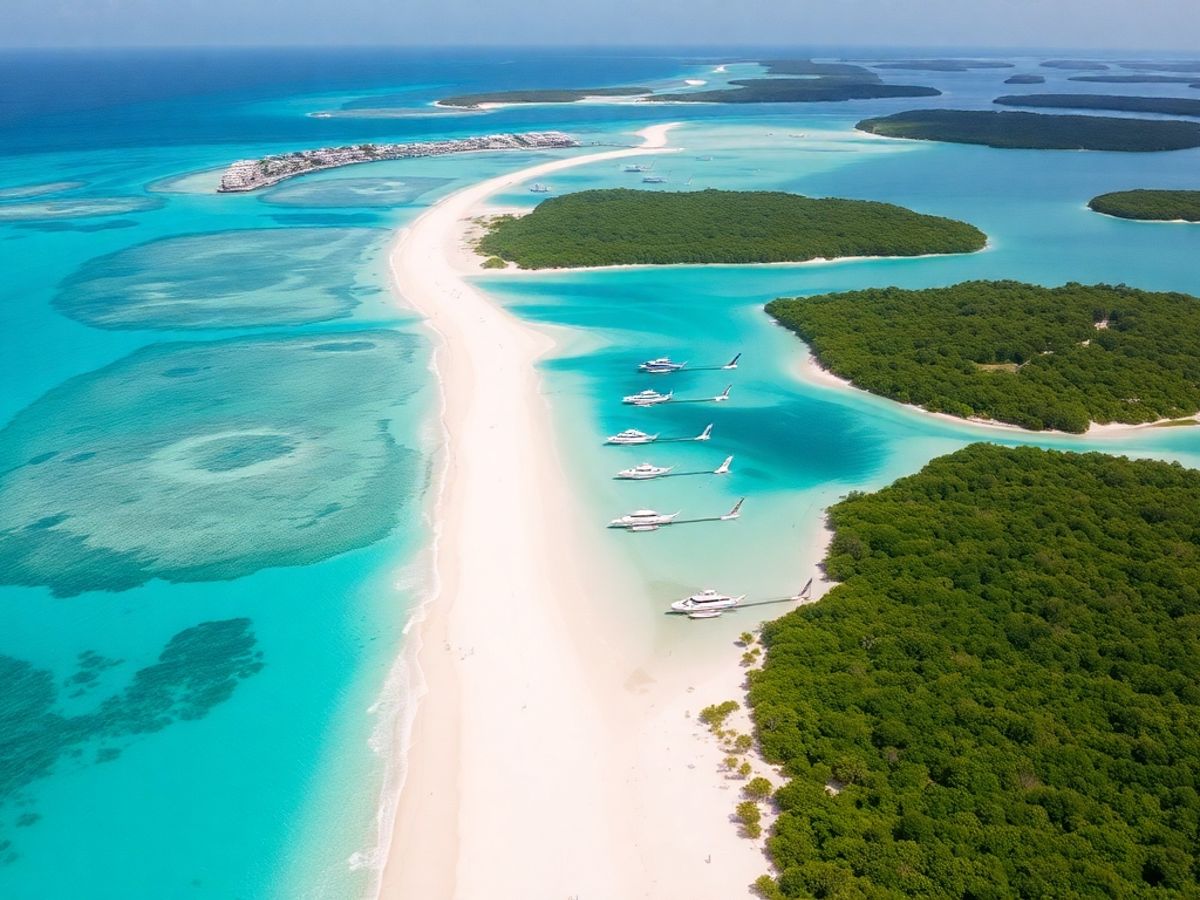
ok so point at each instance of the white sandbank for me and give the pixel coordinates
(555, 752)
(812, 371)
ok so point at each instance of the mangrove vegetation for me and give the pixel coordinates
(622, 227)
(1037, 357)
(1170, 106)
(1036, 131)
(1150, 205)
(1005, 686)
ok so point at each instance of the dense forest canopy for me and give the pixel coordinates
(540, 95)
(1171, 106)
(1154, 205)
(1036, 131)
(1032, 356)
(1006, 683)
(621, 226)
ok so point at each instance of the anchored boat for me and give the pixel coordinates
(643, 472)
(648, 398)
(707, 601)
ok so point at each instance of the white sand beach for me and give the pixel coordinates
(554, 752)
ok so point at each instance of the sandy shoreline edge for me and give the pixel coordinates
(554, 752)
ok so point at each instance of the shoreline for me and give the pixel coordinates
(811, 370)
(519, 638)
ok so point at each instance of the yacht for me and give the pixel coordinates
(539, 188)
(648, 398)
(643, 520)
(707, 600)
(654, 179)
(632, 436)
(661, 366)
(637, 168)
(646, 471)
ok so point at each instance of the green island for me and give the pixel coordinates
(822, 82)
(621, 226)
(1150, 205)
(1180, 66)
(1036, 131)
(1001, 698)
(1171, 106)
(1134, 79)
(539, 95)
(1025, 79)
(797, 90)
(1081, 65)
(943, 65)
(1031, 356)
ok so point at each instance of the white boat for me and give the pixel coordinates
(539, 188)
(647, 398)
(654, 179)
(632, 436)
(643, 520)
(637, 168)
(661, 366)
(644, 471)
(707, 600)
(705, 613)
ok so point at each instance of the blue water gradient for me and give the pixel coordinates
(171, 508)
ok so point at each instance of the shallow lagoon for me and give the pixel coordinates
(275, 789)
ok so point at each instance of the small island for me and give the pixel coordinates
(999, 696)
(547, 95)
(796, 90)
(252, 174)
(1036, 131)
(1171, 106)
(1150, 205)
(819, 83)
(1134, 79)
(943, 65)
(1035, 357)
(1080, 65)
(1025, 79)
(631, 227)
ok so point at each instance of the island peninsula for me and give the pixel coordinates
(1150, 205)
(1003, 351)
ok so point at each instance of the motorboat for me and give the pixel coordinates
(661, 366)
(647, 398)
(632, 436)
(707, 600)
(644, 471)
(539, 188)
(654, 179)
(643, 520)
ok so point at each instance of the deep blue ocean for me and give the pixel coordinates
(216, 421)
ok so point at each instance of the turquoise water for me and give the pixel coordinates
(217, 422)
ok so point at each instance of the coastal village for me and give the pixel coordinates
(252, 174)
